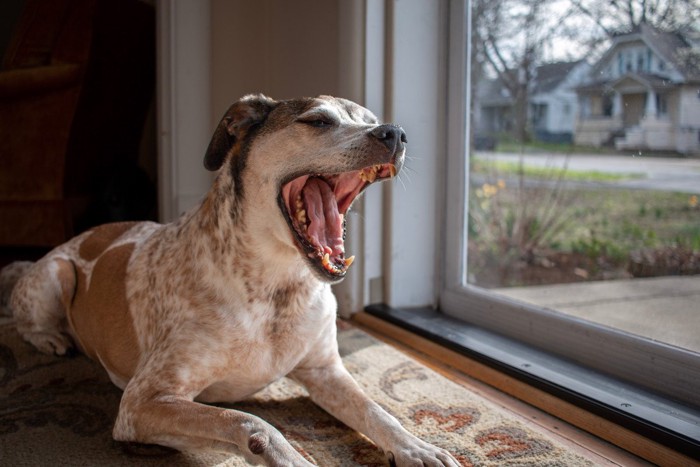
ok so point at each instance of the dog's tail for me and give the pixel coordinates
(9, 275)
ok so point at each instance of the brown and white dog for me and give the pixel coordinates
(235, 294)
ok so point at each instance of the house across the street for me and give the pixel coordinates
(643, 94)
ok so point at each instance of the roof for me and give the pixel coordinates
(549, 76)
(674, 47)
(649, 80)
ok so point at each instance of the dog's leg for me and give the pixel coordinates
(38, 304)
(183, 424)
(334, 390)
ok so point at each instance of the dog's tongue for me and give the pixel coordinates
(325, 227)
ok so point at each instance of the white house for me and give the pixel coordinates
(644, 93)
(552, 102)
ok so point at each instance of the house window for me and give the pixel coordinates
(540, 247)
(620, 63)
(661, 104)
(640, 62)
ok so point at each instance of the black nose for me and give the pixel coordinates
(392, 136)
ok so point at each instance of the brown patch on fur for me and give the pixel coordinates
(282, 296)
(101, 238)
(67, 280)
(100, 314)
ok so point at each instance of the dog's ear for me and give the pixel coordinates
(249, 111)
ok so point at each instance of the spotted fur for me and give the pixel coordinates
(220, 303)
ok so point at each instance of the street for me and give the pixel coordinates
(659, 173)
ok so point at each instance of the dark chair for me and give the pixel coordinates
(76, 84)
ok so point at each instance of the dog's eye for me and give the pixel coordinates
(317, 122)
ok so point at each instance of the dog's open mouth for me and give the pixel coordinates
(315, 207)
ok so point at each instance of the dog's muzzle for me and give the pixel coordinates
(315, 205)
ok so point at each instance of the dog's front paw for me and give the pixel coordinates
(51, 343)
(419, 453)
(274, 450)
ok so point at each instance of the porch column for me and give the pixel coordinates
(650, 109)
(617, 104)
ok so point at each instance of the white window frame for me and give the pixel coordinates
(429, 97)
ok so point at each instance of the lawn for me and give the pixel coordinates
(522, 234)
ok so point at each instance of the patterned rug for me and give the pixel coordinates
(59, 412)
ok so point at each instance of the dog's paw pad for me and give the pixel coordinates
(257, 443)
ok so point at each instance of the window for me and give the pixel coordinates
(620, 63)
(662, 104)
(640, 62)
(493, 239)
(534, 222)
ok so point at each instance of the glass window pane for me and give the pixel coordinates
(584, 171)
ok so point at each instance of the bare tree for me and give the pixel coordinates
(508, 37)
(616, 16)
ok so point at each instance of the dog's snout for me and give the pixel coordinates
(392, 136)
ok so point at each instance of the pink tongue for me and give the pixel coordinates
(325, 225)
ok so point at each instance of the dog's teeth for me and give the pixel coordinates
(301, 216)
(392, 171)
(371, 174)
(349, 261)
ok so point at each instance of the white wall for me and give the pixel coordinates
(281, 48)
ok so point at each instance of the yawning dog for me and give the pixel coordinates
(235, 294)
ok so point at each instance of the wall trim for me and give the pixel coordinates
(183, 103)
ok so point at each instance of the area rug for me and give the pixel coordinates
(59, 412)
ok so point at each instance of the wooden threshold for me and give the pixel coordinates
(468, 372)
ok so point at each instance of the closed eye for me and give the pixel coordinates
(317, 121)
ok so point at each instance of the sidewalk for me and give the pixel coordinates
(665, 309)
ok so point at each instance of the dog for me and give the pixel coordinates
(232, 296)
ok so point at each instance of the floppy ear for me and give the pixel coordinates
(239, 119)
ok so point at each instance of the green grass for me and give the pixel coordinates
(621, 221)
(539, 146)
(506, 168)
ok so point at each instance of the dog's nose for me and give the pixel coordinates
(392, 136)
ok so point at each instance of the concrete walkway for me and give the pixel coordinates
(665, 309)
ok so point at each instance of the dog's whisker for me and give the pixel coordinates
(402, 183)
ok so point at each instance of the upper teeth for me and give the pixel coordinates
(369, 174)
